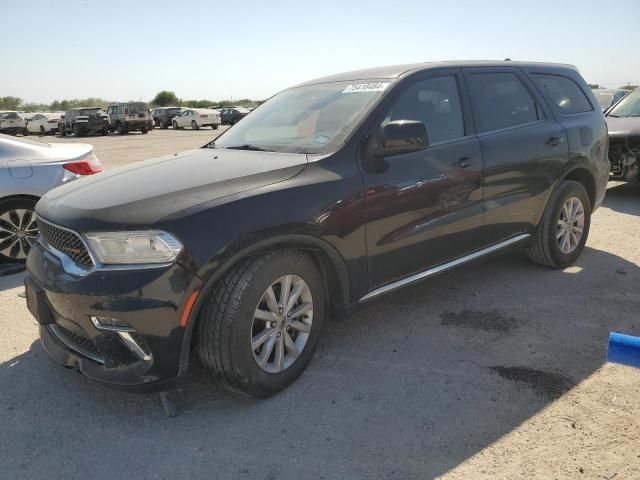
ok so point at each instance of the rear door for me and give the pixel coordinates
(523, 147)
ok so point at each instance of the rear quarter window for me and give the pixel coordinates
(563, 92)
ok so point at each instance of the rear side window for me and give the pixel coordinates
(500, 100)
(563, 92)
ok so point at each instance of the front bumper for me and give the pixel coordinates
(150, 301)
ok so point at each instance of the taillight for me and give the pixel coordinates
(52, 121)
(204, 116)
(85, 166)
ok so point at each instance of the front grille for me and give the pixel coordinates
(66, 242)
(79, 343)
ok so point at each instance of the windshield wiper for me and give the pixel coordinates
(247, 146)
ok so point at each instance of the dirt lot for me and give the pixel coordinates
(496, 370)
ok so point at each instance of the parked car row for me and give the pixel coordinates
(120, 117)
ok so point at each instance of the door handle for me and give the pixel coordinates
(462, 162)
(554, 141)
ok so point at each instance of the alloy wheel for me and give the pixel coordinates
(282, 323)
(18, 233)
(570, 225)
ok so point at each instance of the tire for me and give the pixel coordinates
(194, 125)
(63, 131)
(120, 129)
(77, 131)
(162, 125)
(43, 132)
(234, 121)
(175, 126)
(23, 218)
(143, 130)
(227, 324)
(104, 131)
(547, 247)
(214, 127)
(25, 132)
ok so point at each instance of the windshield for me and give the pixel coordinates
(629, 106)
(89, 111)
(173, 110)
(604, 98)
(309, 119)
(137, 107)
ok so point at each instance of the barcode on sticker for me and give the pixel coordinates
(366, 87)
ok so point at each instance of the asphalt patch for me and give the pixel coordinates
(547, 384)
(489, 321)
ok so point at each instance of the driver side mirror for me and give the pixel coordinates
(402, 136)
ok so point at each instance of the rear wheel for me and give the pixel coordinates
(162, 124)
(563, 230)
(25, 131)
(214, 127)
(143, 130)
(120, 129)
(63, 131)
(77, 131)
(105, 131)
(18, 229)
(261, 323)
(234, 121)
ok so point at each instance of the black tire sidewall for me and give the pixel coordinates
(565, 191)
(257, 381)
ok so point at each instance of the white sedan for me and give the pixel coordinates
(43, 123)
(196, 118)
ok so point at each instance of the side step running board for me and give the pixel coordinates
(442, 268)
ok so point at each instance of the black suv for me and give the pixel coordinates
(163, 116)
(84, 121)
(331, 193)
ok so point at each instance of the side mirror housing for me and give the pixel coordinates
(403, 136)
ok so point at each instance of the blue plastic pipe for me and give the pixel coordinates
(624, 349)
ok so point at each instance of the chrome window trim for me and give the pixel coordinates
(442, 268)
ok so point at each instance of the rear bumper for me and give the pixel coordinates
(148, 357)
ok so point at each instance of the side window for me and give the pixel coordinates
(434, 102)
(563, 92)
(500, 100)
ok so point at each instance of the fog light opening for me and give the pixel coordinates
(111, 323)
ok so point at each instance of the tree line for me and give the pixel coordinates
(164, 98)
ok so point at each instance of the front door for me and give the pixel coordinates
(425, 208)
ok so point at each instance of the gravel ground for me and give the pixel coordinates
(495, 370)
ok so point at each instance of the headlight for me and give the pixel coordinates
(152, 246)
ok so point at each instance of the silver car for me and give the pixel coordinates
(28, 170)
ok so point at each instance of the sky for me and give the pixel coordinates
(126, 50)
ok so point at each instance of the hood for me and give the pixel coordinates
(623, 126)
(139, 195)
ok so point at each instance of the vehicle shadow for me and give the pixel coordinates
(623, 198)
(408, 387)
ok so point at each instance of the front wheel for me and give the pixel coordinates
(261, 323)
(43, 132)
(143, 130)
(194, 125)
(563, 230)
(18, 229)
(175, 126)
(214, 127)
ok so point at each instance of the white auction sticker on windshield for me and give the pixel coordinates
(366, 87)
